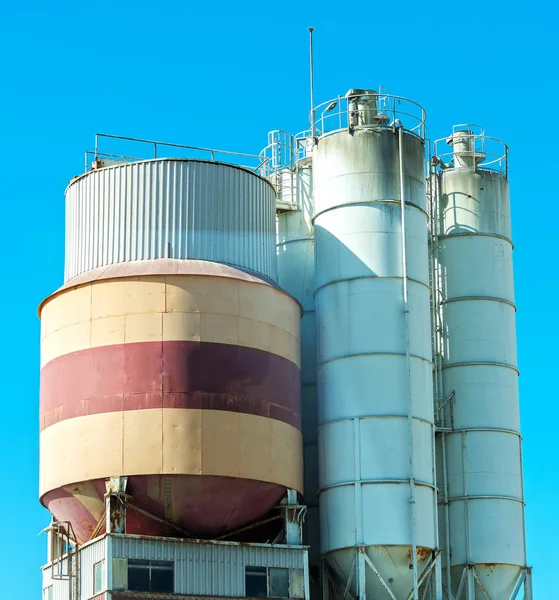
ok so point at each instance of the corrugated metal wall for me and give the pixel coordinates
(89, 555)
(209, 569)
(170, 209)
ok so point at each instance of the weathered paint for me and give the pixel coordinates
(479, 374)
(187, 383)
(203, 569)
(182, 209)
(375, 402)
(144, 375)
(209, 505)
(200, 308)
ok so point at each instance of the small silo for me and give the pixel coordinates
(375, 396)
(291, 171)
(479, 444)
(170, 356)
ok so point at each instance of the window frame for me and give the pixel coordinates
(148, 564)
(100, 564)
(266, 572)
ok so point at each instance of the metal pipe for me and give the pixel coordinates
(408, 366)
(528, 595)
(446, 517)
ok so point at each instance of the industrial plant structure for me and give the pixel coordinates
(290, 374)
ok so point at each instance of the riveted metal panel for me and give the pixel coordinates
(170, 209)
(482, 450)
(375, 400)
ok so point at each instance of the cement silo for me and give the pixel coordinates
(375, 396)
(290, 169)
(171, 380)
(479, 446)
(199, 438)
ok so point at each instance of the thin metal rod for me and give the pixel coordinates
(222, 537)
(481, 586)
(147, 514)
(408, 366)
(379, 576)
(528, 592)
(349, 579)
(170, 145)
(518, 585)
(424, 575)
(311, 80)
(99, 525)
(462, 583)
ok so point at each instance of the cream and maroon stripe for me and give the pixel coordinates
(178, 341)
(171, 441)
(172, 374)
(171, 308)
(145, 375)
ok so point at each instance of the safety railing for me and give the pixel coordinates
(283, 151)
(171, 150)
(468, 147)
(366, 109)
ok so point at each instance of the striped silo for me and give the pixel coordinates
(375, 397)
(479, 446)
(164, 364)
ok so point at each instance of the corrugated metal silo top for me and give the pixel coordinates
(170, 208)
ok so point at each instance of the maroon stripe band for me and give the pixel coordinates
(172, 374)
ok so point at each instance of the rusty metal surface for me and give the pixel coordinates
(221, 504)
(172, 374)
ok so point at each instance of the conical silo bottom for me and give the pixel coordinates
(498, 579)
(204, 506)
(393, 563)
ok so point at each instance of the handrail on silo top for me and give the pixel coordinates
(283, 151)
(368, 109)
(468, 147)
(97, 158)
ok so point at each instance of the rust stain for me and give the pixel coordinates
(422, 553)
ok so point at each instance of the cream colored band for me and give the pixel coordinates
(169, 308)
(171, 441)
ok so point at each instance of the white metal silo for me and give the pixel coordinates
(479, 444)
(289, 167)
(375, 396)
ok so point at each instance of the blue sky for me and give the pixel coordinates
(223, 74)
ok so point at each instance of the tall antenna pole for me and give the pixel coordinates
(311, 29)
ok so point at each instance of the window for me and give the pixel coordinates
(256, 582)
(279, 583)
(266, 582)
(48, 593)
(98, 576)
(151, 576)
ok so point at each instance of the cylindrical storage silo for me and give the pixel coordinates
(296, 275)
(166, 208)
(182, 375)
(377, 496)
(484, 521)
